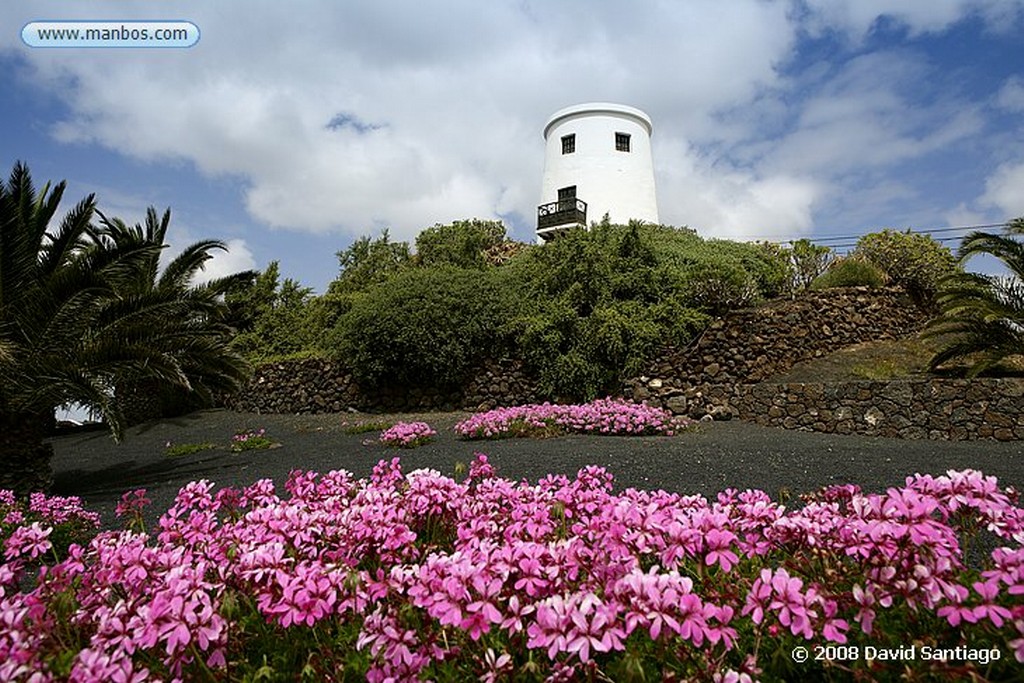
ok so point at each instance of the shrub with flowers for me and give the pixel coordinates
(41, 529)
(407, 435)
(604, 416)
(419, 577)
(251, 440)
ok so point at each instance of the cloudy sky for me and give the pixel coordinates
(292, 128)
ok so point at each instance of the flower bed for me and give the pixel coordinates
(251, 440)
(603, 416)
(406, 576)
(407, 434)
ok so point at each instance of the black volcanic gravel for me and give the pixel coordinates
(713, 457)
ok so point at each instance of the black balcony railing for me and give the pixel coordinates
(563, 212)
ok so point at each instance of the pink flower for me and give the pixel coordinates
(496, 666)
(593, 624)
(407, 434)
(31, 540)
(997, 614)
(717, 542)
(132, 503)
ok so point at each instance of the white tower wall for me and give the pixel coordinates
(610, 180)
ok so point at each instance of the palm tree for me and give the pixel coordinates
(75, 320)
(982, 316)
(198, 332)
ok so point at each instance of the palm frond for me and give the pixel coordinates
(59, 249)
(84, 307)
(982, 316)
(228, 283)
(1003, 247)
(181, 271)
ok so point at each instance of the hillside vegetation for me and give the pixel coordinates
(583, 311)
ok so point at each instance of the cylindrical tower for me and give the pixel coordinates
(597, 160)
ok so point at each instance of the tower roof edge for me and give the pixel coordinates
(598, 108)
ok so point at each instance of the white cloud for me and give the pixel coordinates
(1004, 190)
(1011, 95)
(865, 116)
(733, 203)
(236, 259)
(962, 214)
(450, 99)
(858, 17)
(454, 97)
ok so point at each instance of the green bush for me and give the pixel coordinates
(915, 262)
(367, 263)
(175, 450)
(719, 275)
(462, 244)
(808, 261)
(769, 268)
(583, 311)
(592, 306)
(423, 327)
(850, 272)
(583, 357)
(366, 427)
(278, 320)
(717, 286)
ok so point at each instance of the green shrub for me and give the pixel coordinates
(915, 262)
(251, 440)
(808, 262)
(366, 427)
(277, 320)
(583, 310)
(423, 327)
(720, 275)
(592, 306)
(850, 272)
(367, 263)
(769, 268)
(462, 244)
(717, 286)
(175, 450)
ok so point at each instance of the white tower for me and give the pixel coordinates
(597, 160)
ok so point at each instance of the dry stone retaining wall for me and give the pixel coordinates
(752, 345)
(704, 379)
(721, 375)
(317, 385)
(953, 409)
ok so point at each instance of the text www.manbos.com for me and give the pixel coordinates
(110, 34)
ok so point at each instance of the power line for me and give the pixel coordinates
(844, 240)
(926, 230)
(854, 244)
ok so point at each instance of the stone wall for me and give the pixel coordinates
(953, 409)
(316, 385)
(703, 379)
(752, 345)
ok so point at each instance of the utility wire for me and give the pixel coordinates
(845, 239)
(926, 231)
(854, 244)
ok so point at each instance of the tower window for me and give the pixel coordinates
(622, 142)
(568, 144)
